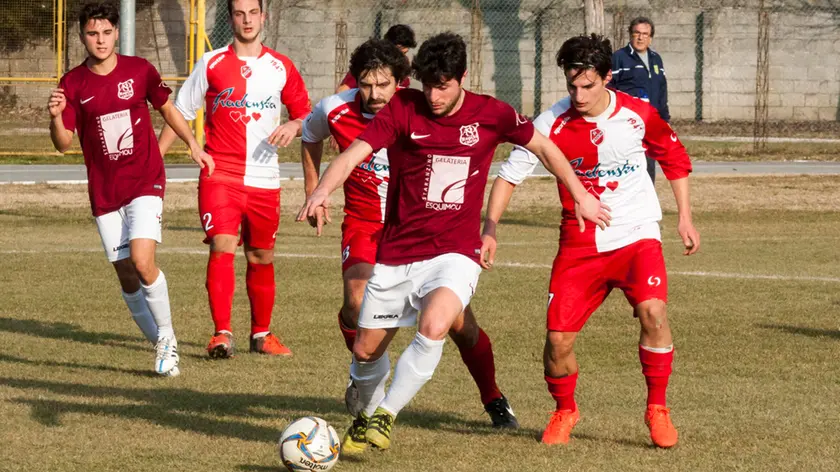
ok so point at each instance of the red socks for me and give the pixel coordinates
(479, 360)
(260, 282)
(563, 391)
(656, 366)
(349, 334)
(221, 283)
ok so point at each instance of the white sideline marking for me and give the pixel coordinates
(519, 265)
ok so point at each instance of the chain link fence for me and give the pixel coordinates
(735, 68)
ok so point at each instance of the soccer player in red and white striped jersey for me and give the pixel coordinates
(605, 135)
(241, 88)
(379, 66)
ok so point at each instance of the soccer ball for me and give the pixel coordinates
(309, 444)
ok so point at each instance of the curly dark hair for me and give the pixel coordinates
(441, 58)
(401, 35)
(584, 53)
(376, 53)
(98, 11)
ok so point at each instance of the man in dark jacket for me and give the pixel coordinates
(638, 71)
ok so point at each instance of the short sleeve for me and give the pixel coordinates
(511, 126)
(383, 130)
(157, 92)
(663, 145)
(191, 95)
(68, 116)
(294, 94)
(521, 162)
(316, 126)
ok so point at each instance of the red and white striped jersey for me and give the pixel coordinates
(241, 98)
(608, 155)
(367, 187)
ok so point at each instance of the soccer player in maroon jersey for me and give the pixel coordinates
(105, 100)
(440, 145)
(243, 87)
(378, 67)
(606, 134)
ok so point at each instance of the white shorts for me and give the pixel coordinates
(140, 219)
(394, 294)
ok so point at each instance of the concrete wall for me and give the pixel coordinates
(804, 56)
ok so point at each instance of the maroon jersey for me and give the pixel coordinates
(111, 116)
(439, 168)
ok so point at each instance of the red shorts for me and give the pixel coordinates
(580, 284)
(359, 241)
(223, 207)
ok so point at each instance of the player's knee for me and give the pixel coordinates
(364, 352)
(223, 243)
(558, 346)
(146, 268)
(434, 328)
(652, 315)
(127, 276)
(259, 256)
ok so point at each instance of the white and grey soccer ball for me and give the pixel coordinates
(309, 444)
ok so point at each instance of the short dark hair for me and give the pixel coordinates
(586, 52)
(376, 53)
(641, 20)
(98, 11)
(230, 7)
(401, 35)
(441, 58)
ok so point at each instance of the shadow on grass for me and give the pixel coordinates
(76, 365)
(209, 413)
(635, 443)
(73, 332)
(803, 330)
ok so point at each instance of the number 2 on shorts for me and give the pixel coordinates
(207, 218)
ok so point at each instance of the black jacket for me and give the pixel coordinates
(632, 77)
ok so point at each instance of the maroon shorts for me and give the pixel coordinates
(580, 284)
(225, 207)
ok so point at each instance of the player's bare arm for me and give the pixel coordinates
(61, 137)
(283, 135)
(166, 139)
(335, 175)
(685, 227)
(587, 207)
(178, 125)
(497, 203)
(310, 158)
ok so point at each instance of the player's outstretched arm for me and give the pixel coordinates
(61, 137)
(335, 175)
(497, 203)
(685, 227)
(310, 158)
(586, 205)
(178, 125)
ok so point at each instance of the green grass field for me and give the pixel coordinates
(755, 317)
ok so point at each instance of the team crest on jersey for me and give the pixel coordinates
(125, 90)
(245, 71)
(469, 134)
(596, 136)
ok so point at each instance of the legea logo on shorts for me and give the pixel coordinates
(386, 316)
(445, 182)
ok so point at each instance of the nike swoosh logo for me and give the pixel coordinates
(674, 137)
(419, 136)
(86, 100)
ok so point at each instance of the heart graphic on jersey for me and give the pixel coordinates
(592, 188)
(612, 185)
(237, 116)
(256, 116)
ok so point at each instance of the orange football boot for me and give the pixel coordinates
(221, 346)
(560, 426)
(269, 344)
(662, 431)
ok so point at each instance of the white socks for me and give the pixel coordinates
(157, 298)
(415, 367)
(141, 314)
(370, 378)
